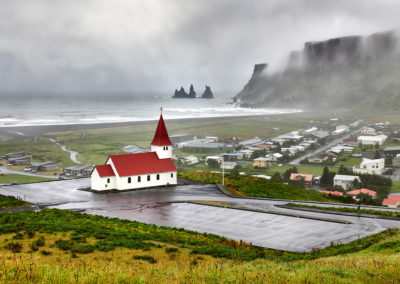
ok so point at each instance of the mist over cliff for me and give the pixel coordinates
(353, 72)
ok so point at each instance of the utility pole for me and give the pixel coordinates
(223, 170)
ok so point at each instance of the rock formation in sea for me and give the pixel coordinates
(208, 94)
(180, 94)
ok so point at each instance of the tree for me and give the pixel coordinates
(377, 155)
(235, 170)
(213, 163)
(288, 172)
(277, 177)
(327, 177)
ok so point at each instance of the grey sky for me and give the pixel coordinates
(154, 46)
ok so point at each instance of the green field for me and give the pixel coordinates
(10, 202)
(395, 186)
(22, 179)
(55, 246)
(304, 169)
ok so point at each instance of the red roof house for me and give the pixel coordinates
(363, 191)
(392, 201)
(308, 178)
(337, 193)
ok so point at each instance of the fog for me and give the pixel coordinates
(136, 47)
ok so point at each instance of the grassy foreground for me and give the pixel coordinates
(10, 201)
(259, 187)
(347, 209)
(55, 246)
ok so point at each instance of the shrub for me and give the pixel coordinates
(45, 252)
(147, 258)
(82, 248)
(18, 236)
(64, 244)
(14, 247)
(170, 250)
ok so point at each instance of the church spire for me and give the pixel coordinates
(161, 137)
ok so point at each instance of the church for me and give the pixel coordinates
(139, 170)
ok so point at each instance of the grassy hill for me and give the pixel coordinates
(55, 246)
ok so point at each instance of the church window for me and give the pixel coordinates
(166, 148)
(148, 178)
(158, 176)
(108, 180)
(129, 180)
(138, 179)
(172, 175)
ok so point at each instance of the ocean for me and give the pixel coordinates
(62, 110)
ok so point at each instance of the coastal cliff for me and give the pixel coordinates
(339, 73)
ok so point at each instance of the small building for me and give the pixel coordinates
(341, 129)
(392, 202)
(228, 165)
(132, 149)
(15, 155)
(81, 170)
(368, 131)
(362, 191)
(250, 142)
(370, 166)
(216, 158)
(190, 160)
(260, 162)
(344, 181)
(44, 166)
(274, 157)
(319, 134)
(318, 160)
(175, 139)
(392, 151)
(396, 161)
(308, 178)
(19, 161)
(372, 140)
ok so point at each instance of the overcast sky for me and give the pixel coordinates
(154, 46)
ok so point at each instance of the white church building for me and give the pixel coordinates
(139, 170)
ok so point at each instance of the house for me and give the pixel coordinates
(190, 160)
(44, 166)
(392, 151)
(216, 158)
(319, 134)
(250, 142)
(15, 155)
(392, 202)
(274, 157)
(260, 162)
(362, 191)
(262, 176)
(228, 165)
(396, 161)
(81, 170)
(175, 139)
(140, 170)
(132, 149)
(368, 131)
(317, 160)
(337, 193)
(372, 140)
(19, 161)
(344, 181)
(370, 166)
(308, 178)
(247, 154)
(341, 129)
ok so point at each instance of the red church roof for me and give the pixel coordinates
(141, 163)
(161, 137)
(105, 171)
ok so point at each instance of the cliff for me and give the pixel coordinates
(342, 73)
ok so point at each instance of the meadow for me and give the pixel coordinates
(9, 178)
(55, 246)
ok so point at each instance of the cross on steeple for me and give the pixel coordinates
(161, 109)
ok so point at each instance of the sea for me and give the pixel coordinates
(85, 109)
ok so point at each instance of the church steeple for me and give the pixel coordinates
(161, 137)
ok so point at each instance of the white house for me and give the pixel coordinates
(341, 129)
(190, 160)
(372, 167)
(368, 131)
(372, 140)
(344, 181)
(139, 170)
(274, 157)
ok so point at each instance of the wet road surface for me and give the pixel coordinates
(262, 229)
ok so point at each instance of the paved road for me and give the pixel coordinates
(268, 230)
(324, 147)
(5, 170)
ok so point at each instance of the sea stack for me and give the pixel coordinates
(207, 93)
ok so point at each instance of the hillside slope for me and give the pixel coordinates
(344, 73)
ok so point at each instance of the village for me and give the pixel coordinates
(330, 156)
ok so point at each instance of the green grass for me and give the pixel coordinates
(395, 186)
(40, 150)
(56, 246)
(347, 209)
(258, 187)
(10, 201)
(304, 169)
(7, 178)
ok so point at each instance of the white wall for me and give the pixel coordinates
(100, 183)
(163, 152)
(165, 179)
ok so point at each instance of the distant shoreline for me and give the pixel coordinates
(39, 130)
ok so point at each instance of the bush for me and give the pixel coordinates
(14, 247)
(147, 258)
(170, 250)
(83, 248)
(45, 252)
